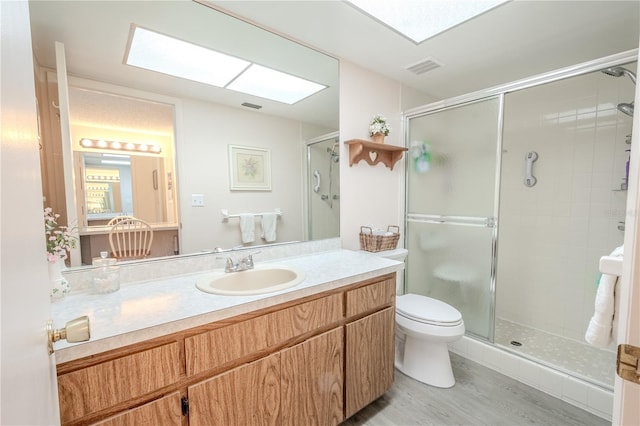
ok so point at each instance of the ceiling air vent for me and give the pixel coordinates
(423, 66)
(250, 105)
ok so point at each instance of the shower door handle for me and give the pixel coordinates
(316, 174)
(529, 179)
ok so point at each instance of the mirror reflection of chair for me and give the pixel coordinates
(130, 238)
(118, 219)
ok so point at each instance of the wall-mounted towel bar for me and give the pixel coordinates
(226, 216)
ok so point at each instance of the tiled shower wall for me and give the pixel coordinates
(552, 235)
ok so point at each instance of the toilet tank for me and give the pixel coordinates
(399, 254)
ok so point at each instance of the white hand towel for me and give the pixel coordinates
(269, 224)
(247, 227)
(600, 331)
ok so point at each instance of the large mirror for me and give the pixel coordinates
(195, 159)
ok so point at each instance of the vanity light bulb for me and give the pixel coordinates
(117, 145)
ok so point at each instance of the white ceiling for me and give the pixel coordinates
(513, 41)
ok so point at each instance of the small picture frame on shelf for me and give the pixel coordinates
(249, 168)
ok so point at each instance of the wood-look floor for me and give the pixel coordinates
(481, 396)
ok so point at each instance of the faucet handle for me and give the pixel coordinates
(228, 263)
(250, 258)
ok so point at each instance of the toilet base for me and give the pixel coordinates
(427, 362)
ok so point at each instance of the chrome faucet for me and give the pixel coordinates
(242, 265)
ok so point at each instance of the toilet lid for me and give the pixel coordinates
(427, 310)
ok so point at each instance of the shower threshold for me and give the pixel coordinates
(578, 359)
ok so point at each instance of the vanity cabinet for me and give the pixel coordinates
(301, 385)
(370, 341)
(315, 360)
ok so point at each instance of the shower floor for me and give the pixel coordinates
(572, 357)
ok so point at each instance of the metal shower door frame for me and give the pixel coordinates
(489, 222)
(500, 92)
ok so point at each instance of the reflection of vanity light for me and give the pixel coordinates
(101, 178)
(120, 162)
(120, 146)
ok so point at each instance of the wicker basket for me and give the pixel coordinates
(376, 243)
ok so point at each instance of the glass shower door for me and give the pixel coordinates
(451, 208)
(323, 194)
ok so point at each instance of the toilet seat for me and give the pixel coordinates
(426, 310)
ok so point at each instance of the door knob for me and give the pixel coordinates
(76, 330)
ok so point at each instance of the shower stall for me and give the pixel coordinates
(323, 187)
(513, 195)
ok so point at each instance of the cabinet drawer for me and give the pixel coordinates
(165, 411)
(104, 385)
(215, 348)
(370, 297)
(305, 317)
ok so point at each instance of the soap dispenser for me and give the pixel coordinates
(106, 277)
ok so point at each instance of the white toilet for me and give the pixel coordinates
(424, 327)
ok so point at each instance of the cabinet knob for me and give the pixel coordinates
(76, 330)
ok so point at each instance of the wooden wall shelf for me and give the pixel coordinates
(374, 153)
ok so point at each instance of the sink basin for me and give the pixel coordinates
(262, 279)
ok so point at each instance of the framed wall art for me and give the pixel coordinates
(249, 168)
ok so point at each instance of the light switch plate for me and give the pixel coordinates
(197, 200)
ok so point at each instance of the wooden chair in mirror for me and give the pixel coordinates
(130, 238)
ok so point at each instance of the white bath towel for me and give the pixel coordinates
(600, 332)
(269, 224)
(247, 227)
(602, 326)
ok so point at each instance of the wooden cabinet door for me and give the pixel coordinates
(166, 411)
(369, 359)
(247, 395)
(312, 381)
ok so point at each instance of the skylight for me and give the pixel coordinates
(157, 52)
(419, 20)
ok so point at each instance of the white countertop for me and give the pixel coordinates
(144, 310)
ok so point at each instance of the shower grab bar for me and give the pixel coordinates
(316, 174)
(529, 179)
(485, 222)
